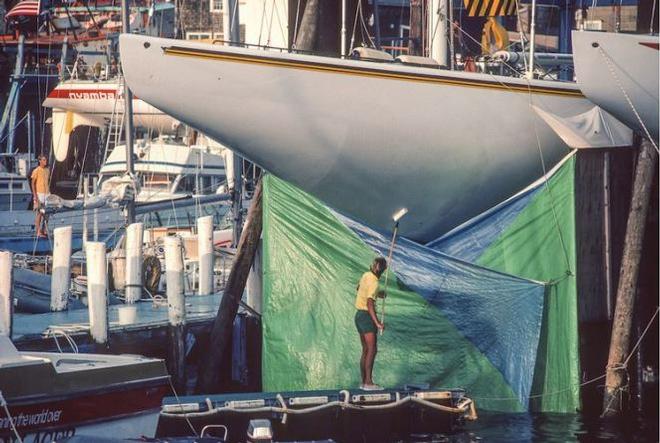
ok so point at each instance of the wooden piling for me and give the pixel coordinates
(206, 257)
(61, 276)
(176, 307)
(6, 299)
(209, 380)
(625, 301)
(134, 236)
(254, 297)
(416, 28)
(97, 295)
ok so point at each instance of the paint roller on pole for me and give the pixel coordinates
(396, 218)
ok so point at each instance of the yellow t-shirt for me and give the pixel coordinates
(40, 176)
(367, 289)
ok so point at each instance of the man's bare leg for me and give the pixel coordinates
(372, 348)
(38, 223)
(363, 359)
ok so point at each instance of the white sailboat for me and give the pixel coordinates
(367, 138)
(168, 170)
(619, 72)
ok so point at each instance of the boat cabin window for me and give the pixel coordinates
(157, 181)
(186, 185)
(14, 185)
(206, 185)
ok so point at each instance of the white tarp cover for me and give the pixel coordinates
(595, 128)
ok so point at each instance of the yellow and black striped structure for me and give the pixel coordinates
(489, 8)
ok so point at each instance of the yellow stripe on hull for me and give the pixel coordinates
(368, 73)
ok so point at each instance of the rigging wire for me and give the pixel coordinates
(270, 25)
(279, 21)
(543, 166)
(295, 27)
(261, 25)
(354, 28)
(610, 67)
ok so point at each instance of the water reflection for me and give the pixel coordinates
(550, 428)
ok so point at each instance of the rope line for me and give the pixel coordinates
(610, 67)
(3, 403)
(546, 181)
(588, 382)
(192, 428)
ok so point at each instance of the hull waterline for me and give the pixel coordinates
(366, 138)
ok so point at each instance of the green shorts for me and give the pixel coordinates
(364, 323)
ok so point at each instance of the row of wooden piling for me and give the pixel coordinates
(97, 276)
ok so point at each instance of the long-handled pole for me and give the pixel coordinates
(387, 271)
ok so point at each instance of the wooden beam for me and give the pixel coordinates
(209, 381)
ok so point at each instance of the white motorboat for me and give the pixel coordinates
(168, 170)
(14, 191)
(51, 396)
(619, 72)
(367, 138)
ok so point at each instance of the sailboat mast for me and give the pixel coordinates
(343, 29)
(231, 23)
(532, 41)
(437, 31)
(128, 116)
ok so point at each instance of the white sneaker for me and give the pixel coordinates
(372, 387)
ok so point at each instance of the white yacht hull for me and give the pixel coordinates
(607, 64)
(367, 138)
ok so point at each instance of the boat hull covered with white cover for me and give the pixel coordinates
(367, 138)
(610, 66)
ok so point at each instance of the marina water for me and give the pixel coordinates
(551, 428)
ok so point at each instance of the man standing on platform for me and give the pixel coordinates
(367, 322)
(40, 190)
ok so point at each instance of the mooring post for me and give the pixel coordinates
(205, 254)
(97, 284)
(6, 296)
(625, 300)
(134, 237)
(61, 277)
(176, 307)
(223, 323)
